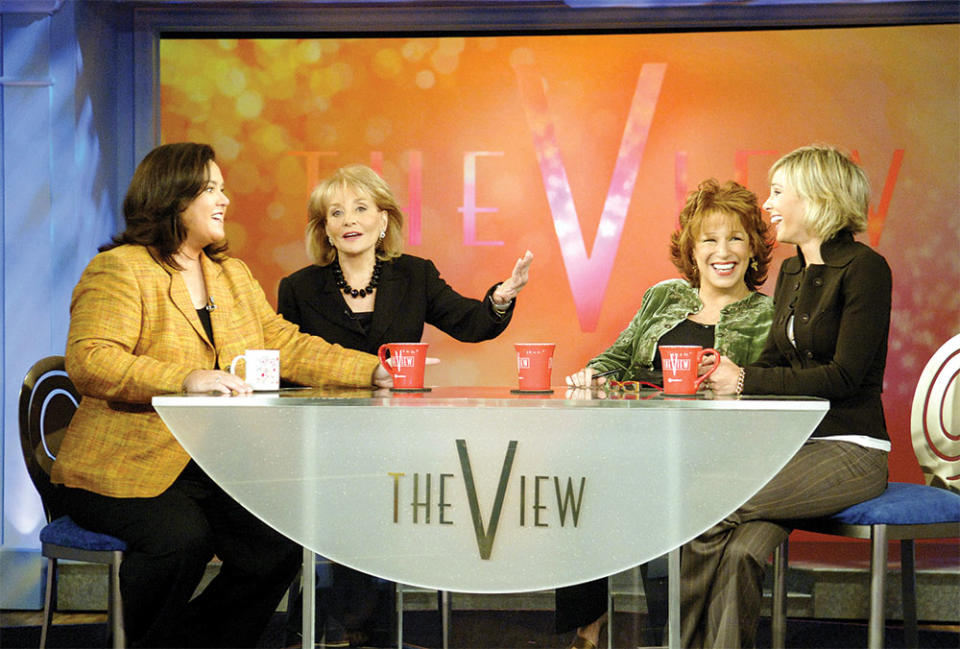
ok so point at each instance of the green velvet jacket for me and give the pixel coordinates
(740, 333)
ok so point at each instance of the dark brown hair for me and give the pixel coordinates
(735, 200)
(165, 182)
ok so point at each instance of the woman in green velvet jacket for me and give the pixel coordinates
(723, 250)
(739, 332)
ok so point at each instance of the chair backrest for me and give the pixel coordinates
(935, 417)
(48, 400)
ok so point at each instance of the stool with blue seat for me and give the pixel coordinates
(48, 400)
(905, 511)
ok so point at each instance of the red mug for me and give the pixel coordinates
(407, 362)
(680, 363)
(534, 363)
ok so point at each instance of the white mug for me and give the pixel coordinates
(263, 368)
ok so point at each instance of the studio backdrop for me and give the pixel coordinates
(581, 148)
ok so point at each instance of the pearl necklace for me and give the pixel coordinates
(354, 292)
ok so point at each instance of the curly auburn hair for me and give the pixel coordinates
(732, 199)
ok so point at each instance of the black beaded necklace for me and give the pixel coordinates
(354, 292)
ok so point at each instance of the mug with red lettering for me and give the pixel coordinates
(680, 363)
(407, 363)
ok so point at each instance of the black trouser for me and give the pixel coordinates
(170, 538)
(581, 604)
(364, 607)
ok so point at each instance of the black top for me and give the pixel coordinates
(409, 294)
(687, 332)
(841, 319)
(204, 316)
(364, 319)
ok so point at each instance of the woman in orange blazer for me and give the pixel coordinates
(163, 309)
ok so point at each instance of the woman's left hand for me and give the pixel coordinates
(215, 381)
(724, 378)
(509, 288)
(381, 377)
(585, 394)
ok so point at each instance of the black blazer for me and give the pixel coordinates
(409, 294)
(841, 312)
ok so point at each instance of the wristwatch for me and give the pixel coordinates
(499, 309)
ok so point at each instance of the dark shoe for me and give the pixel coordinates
(332, 636)
(356, 637)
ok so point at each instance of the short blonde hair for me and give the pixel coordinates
(835, 188)
(362, 180)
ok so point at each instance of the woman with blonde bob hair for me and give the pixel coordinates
(361, 179)
(361, 292)
(828, 340)
(836, 191)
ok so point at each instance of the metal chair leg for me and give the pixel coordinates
(673, 599)
(610, 612)
(49, 599)
(908, 591)
(878, 572)
(778, 622)
(115, 603)
(309, 611)
(445, 617)
(399, 616)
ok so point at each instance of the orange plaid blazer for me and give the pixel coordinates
(134, 333)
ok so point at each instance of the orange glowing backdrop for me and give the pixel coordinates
(580, 148)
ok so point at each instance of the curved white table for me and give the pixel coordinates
(483, 490)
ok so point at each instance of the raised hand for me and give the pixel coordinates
(510, 287)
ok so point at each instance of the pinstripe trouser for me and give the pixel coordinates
(722, 569)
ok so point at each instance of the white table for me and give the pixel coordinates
(486, 491)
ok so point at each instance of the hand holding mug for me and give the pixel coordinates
(725, 375)
(681, 364)
(707, 363)
(405, 366)
(382, 378)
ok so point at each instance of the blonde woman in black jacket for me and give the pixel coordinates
(828, 340)
(362, 292)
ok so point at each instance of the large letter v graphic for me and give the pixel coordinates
(589, 275)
